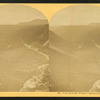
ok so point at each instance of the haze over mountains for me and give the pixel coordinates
(26, 31)
(76, 36)
(23, 48)
(74, 57)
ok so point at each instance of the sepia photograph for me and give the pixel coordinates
(49, 50)
(24, 58)
(75, 49)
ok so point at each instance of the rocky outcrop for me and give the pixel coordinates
(96, 87)
(38, 83)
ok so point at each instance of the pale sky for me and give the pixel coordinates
(76, 15)
(13, 14)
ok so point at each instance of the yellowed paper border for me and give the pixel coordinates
(49, 10)
(49, 94)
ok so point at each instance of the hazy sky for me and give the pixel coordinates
(13, 14)
(77, 15)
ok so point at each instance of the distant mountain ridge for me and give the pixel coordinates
(75, 32)
(34, 22)
(34, 33)
(75, 37)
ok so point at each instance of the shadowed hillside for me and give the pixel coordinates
(23, 48)
(74, 57)
(34, 32)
